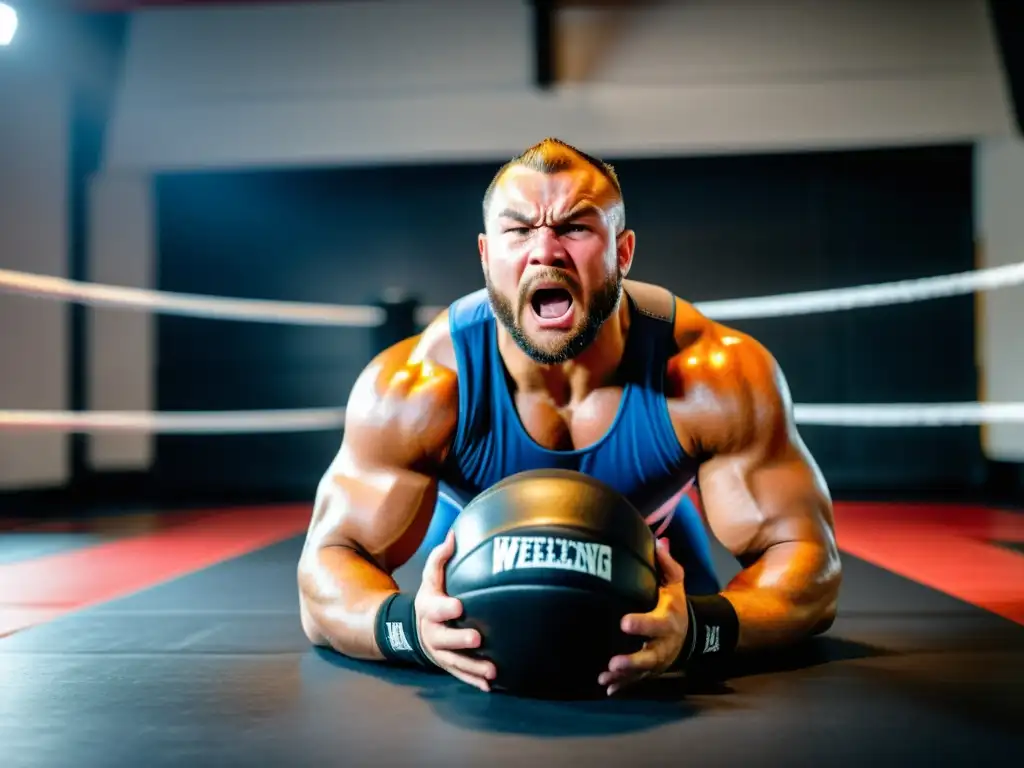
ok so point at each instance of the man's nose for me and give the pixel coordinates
(547, 250)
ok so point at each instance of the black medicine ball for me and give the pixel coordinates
(546, 564)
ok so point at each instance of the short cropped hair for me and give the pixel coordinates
(553, 155)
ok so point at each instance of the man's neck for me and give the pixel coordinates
(572, 381)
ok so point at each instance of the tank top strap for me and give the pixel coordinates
(651, 338)
(652, 300)
(470, 322)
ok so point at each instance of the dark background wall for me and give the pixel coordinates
(709, 228)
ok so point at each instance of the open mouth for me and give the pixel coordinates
(551, 303)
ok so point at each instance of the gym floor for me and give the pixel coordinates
(168, 639)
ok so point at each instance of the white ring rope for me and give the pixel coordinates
(299, 313)
(320, 419)
(313, 419)
(190, 305)
(909, 414)
(176, 423)
(899, 292)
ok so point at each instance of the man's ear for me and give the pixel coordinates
(625, 244)
(481, 244)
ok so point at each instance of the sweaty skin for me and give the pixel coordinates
(763, 495)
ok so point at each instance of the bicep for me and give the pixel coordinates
(763, 488)
(764, 497)
(378, 495)
(380, 511)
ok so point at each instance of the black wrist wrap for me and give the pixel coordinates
(395, 631)
(712, 636)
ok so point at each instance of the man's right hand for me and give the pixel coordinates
(440, 642)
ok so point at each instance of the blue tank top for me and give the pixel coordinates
(639, 455)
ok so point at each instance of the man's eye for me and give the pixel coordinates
(572, 228)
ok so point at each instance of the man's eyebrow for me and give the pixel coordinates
(582, 210)
(579, 212)
(512, 213)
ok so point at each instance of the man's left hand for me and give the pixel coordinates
(665, 629)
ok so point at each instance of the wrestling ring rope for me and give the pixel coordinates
(310, 314)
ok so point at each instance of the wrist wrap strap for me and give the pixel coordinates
(713, 633)
(395, 631)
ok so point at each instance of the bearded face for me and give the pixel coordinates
(551, 260)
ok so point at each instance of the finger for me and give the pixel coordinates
(608, 678)
(476, 682)
(480, 669)
(433, 569)
(441, 638)
(438, 609)
(614, 683)
(616, 687)
(647, 659)
(672, 572)
(654, 625)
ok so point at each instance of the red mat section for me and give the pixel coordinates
(48, 587)
(949, 548)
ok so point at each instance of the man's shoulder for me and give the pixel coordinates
(717, 355)
(428, 359)
(408, 394)
(725, 388)
(435, 345)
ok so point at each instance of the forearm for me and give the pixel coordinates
(340, 593)
(787, 595)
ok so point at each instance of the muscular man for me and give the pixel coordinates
(562, 362)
